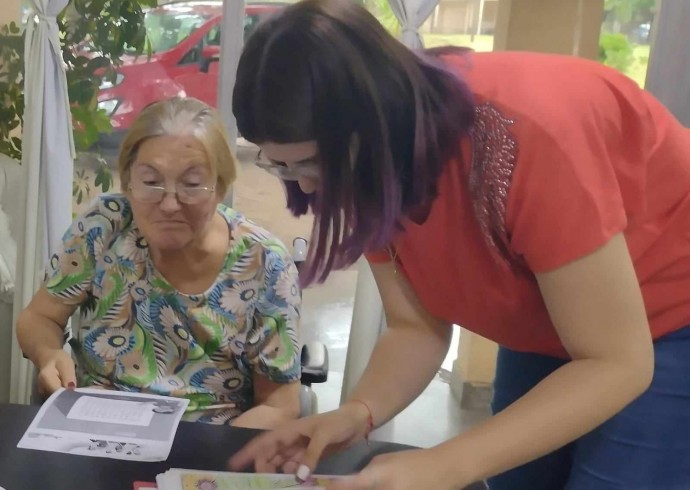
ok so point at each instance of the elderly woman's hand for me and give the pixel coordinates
(55, 371)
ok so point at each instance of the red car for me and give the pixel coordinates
(185, 39)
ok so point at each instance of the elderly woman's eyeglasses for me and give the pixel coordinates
(305, 170)
(185, 193)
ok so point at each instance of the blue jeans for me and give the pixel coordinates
(644, 447)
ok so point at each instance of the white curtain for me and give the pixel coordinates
(47, 161)
(411, 14)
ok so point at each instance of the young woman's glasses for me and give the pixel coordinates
(185, 193)
(306, 170)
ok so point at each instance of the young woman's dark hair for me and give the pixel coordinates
(386, 121)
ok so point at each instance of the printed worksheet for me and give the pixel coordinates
(106, 424)
(92, 409)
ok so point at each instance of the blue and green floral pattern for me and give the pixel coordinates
(138, 333)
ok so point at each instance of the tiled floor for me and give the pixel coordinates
(327, 313)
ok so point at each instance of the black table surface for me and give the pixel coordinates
(196, 446)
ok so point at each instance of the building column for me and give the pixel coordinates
(668, 73)
(473, 370)
(550, 26)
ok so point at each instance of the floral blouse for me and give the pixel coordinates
(138, 333)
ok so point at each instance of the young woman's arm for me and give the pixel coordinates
(409, 353)
(404, 361)
(597, 308)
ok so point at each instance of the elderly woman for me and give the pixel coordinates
(179, 294)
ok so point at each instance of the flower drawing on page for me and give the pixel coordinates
(204, 484)
(245, 481)
(110, 447)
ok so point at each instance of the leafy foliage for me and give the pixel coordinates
(382, 10)
(94, 37)
(96, 34)
(11, 89)
(616, 51)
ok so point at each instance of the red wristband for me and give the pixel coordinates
(370, 419)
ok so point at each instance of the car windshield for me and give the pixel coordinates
(167, 28)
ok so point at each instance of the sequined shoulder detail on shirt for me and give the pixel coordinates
(494, 154)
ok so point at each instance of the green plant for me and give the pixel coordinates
(11, 90)
(94, 36)
(382, 10)
(108, 29)
(616, 51)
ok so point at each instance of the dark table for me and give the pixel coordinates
(196, 446)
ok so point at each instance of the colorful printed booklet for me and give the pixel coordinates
(178, 479)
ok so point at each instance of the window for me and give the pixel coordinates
(212, 37)
(192, 56)
(167, 28)
(250, 23)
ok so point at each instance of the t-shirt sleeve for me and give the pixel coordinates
(72, 268)
(273, 343)
(577, 177)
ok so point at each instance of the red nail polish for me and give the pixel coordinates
(71, 385)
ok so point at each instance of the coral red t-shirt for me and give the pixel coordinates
(565, 153)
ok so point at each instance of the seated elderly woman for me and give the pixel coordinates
(179, 295)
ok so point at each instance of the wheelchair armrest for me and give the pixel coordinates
(314, 363)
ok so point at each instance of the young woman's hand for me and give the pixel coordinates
(297, 446)
(55, 370)
(405, 470)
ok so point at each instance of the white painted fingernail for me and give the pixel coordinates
(303, 472)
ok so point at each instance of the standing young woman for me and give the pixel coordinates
(541, 201)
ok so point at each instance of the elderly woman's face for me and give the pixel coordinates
(173, 218)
